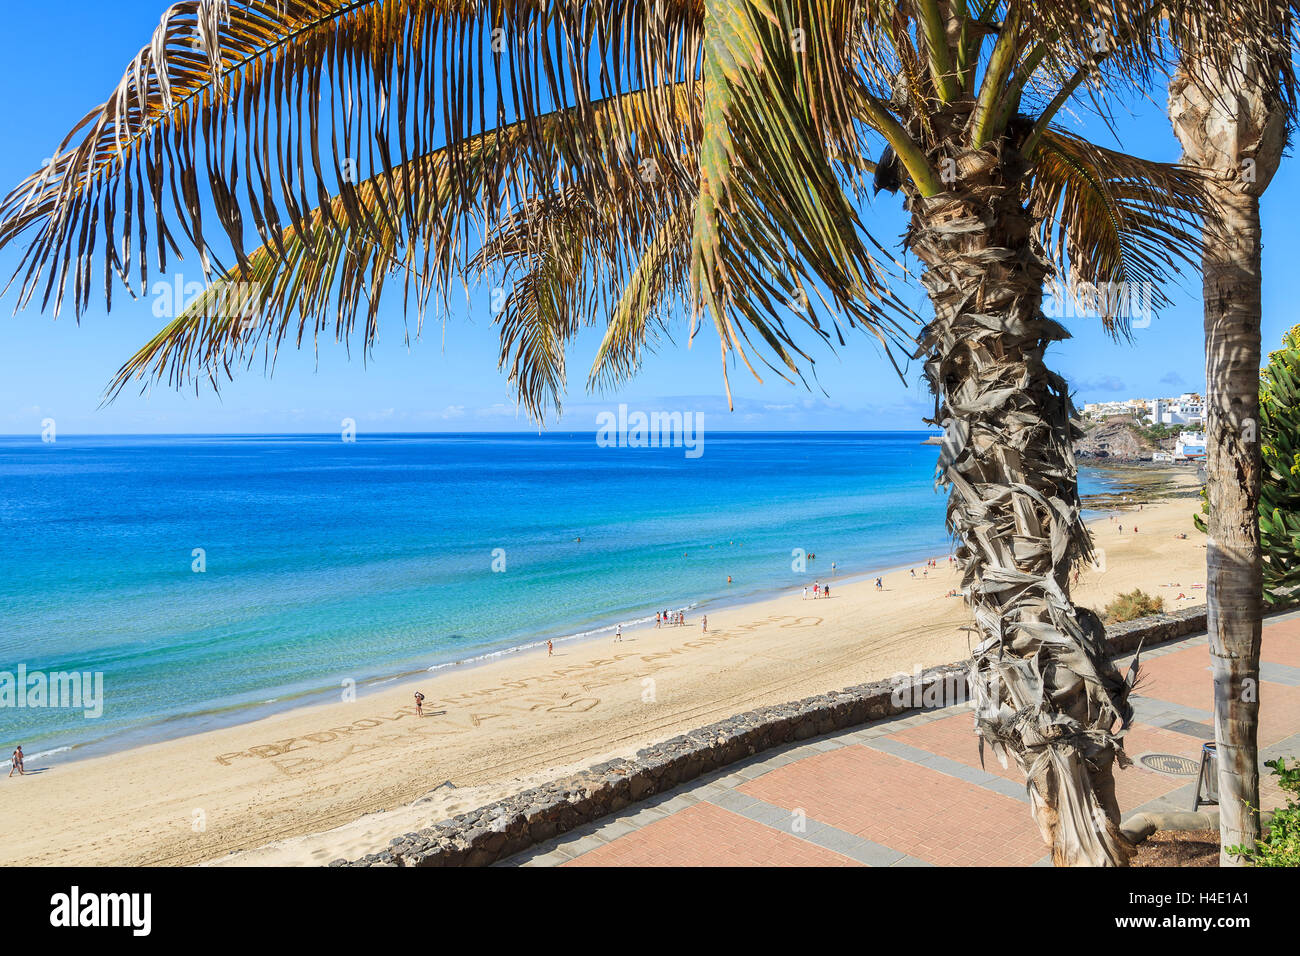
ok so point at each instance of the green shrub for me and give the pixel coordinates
(1279, 500)
(1137, 603)
(1282, 845)
(1279, 497)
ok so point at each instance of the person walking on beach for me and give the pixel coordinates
(805, 592)
(419, 704)
(550, 648)
(16, 763)
(880, 584)
(826, 591)
(704, 624)
(618, 633)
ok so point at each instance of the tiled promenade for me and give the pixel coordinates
(910, 791)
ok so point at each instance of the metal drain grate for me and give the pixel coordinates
(1170, 764)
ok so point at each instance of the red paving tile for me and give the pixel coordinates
(931, 815)
(1182, 677)
(1281, 643)
(907, 807)
(707, 835)
(954, 737)
(1279, 712)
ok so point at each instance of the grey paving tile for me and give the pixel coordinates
(731, 781)
(546, 859)
(733, 800)
(1279, 673)
(614, 828)
(899, 749)
(584, 845)
(855, 847)
(680, 801)
(707, 791)
(778, 818)
(911, 861)
(1146, 708)
(960, 770)
(780, 760)
(645, 816)
(1008, 788)
(564, 846)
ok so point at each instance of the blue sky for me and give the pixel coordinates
(61, 59)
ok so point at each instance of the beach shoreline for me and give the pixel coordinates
(325, 780)
(1135, 483)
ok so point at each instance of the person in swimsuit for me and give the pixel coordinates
(618, 633)
(16, 762)
(550, 648)
(419, 704)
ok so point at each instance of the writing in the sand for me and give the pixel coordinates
(483, 704)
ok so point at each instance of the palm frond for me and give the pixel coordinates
(662, 270)
(253, 112)
(772, 219)
(1110, 220)
(330, 270)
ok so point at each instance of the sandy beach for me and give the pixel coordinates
(340, 779)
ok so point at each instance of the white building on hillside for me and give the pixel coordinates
(1190, 445)
(1186, 409)
(1098, 410)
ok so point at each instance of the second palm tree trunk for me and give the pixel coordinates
(1044, 689)
(1234, 576)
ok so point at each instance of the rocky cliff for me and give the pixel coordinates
(1116, 438)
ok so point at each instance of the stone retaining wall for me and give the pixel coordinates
(500, 829)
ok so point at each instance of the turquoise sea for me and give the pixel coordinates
(324, 561)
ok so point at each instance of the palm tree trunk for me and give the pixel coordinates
(1232, 125)
(1044, 689)
(1234, 583)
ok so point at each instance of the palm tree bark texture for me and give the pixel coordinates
(1231, 130)
(1044, 688)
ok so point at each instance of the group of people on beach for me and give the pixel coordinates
(819, 590)
(670, 619)
(16, 762)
